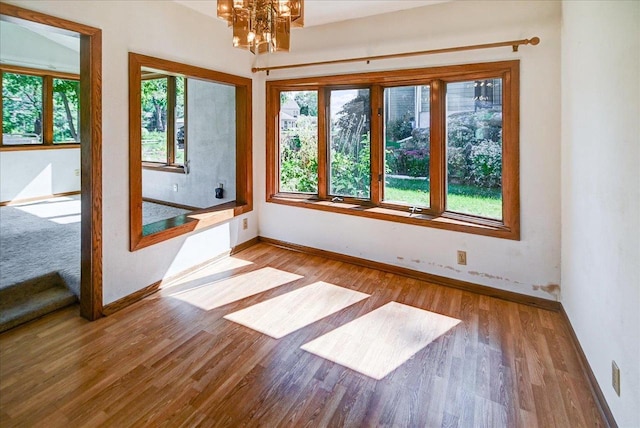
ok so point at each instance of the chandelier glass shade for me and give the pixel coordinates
(262, 25)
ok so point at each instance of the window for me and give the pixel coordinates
(349, 142)
(163, 105)
(39, 108)
(298, 132)
(436, 147)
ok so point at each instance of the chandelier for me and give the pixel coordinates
(262, 25)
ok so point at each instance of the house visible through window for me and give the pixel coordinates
(437, 147)
(38, 108)
(163, 120)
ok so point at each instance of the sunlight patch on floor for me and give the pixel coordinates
(289, 312)
(207, 274)
(53, 209)
(211, 295)
(67, 219)
(382, 340)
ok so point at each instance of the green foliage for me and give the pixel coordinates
(308, 102)
(154, 104)
(353, 121)
(409, 157)
(154, 146)
(297, 173)
(474, 148)
(66, 109)
(398, 129)
(299, 158)
(351, 173)
(22, 104)
(486, 164)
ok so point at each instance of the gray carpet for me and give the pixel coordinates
(152, 212)
(39, 238)
(32, 299)
(42, 237)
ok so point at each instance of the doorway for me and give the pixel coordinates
(90, 136)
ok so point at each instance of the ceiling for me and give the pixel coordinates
(319, 12)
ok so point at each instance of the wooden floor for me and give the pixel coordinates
(174, 361)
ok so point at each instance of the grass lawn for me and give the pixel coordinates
(460, 198)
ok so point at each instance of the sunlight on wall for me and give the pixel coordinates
(191, 254)
(289, 312)
(41, 184)
(382, 340)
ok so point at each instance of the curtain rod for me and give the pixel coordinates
(513, 43)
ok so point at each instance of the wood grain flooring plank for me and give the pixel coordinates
(168, 362)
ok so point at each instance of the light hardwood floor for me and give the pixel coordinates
(173, 360)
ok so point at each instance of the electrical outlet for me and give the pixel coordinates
(76, 172)
(462, 257)
(175, 187)
(245, 223)
(615, 377)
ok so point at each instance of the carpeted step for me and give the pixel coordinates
(34, 298)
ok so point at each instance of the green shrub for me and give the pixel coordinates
(398, 129)
(349, 176)
(486, 164)
(410, 157)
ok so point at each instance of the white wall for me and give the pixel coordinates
(600, 191)
(170, 31)
(42, 49)
(211, 150)
(521, 266)
(34, 173)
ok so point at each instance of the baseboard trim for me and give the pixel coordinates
(423, 276)
(596, 391)
(38, 198)
(243, 246)
(132, 298)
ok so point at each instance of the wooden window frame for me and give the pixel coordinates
(170, 165)
(143, 236)
(436, 215)
(47, 108)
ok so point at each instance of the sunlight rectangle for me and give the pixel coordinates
(211, 295)
(285, 314)
(382, 340)
(221, 269)
(52, 208)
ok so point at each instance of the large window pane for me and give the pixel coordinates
(298, 130)
(406, 145)
(179, 140)
(350, 148)
(154, 120)
(66, 95)
(21, 109)
(474, 148)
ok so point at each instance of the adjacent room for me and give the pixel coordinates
(320, 213)
(40, 171)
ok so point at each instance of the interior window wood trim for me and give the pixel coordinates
(244, 175)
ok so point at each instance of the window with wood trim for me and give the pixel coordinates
(436, 147)
(164, 116)
(39, 107)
